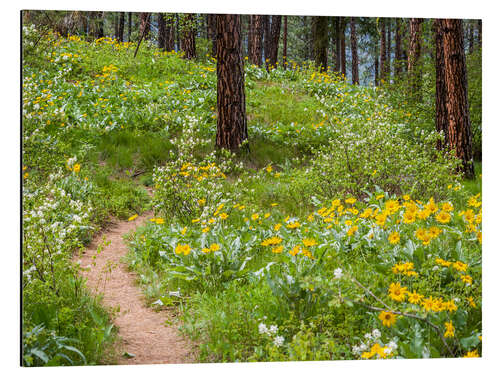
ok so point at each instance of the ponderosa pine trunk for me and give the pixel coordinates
(320, 41)
(397, 53)
(162, 32)
(441, 110)
(274, 41)
(459, 128)
(337, 45)
(343, 64)
(383, 51)
(129, 31)
(231, 119)
(212, 32)
(188, 41)
(414, 51)
(354, 53)
(255, 39)
(121, 26)
(145, 25)
(471, 38)
(389, 49)
(267, 39)
(376, 69)
(170, 32)
(285, 40)
(480, 33)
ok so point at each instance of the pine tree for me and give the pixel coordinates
(354, 53)
(188, 41)
(383, 51)
(231, 119)
(457, 105)
(320, 44)
(441, 110)
(397, 53)
(414, 51)
(274, 40)
(285, 40)
(255, 39)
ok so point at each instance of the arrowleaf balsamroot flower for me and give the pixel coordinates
(388, 318)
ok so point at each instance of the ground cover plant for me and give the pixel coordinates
(339, 232)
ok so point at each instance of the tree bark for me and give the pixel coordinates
(100, 25)
(441, 110)
(376, 69)
(389, 49)
(354, 53)
(459, 130)
(414, 51)
(145, 25)
(397, 55)
(383, 51)
(285, 40)
(320, 44)
(471, 38)
(188, 41)
(337, 44)
(480, 33)
(267, 39)
(274, 41)
(129, 26)
(162, 32)
(342, 47)
(212, 32)
(255, 38)
(121, 26)
(231, 119)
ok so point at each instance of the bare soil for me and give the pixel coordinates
(142, 330)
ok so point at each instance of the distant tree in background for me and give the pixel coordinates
(145, 25)
(285, 40)
(255, 39)
(383, 51)
(274, 40)
(354, 52)
(320, 44)
(414, 51)
(398, 56)
(441, 110)
(188, 30)
(231, 112)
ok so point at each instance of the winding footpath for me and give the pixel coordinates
(142, 330)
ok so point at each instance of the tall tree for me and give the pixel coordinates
(162, 32)
(212, 32)
(188, 41)
(170, 32)
(274, 40)
(121, 26)
(342, 47)
(338, 60)
(100, 25)
(231, 119)
(320, 43)
(383, 51)
(397, 53)
(471, 37)
(129, 31)
(414, 51)
(480, 33)
(255, 39)
(285, 40)
(267, 39)
(459, 129)
(441, 110)
(145, 24)
(354, 53)
(389, 49)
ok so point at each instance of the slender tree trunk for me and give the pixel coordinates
(212, 32)
(274, 41)
(231, 119)
(414, 51)
(129, 31)
(389, 49)
(267, 40)
(285, 39)
(121, 26)
(145, 25)
(376, 69)
(441, 110)
(471, 38)
(459, 131)
(383, 51)
(337, 45)
(354, 52)
(170, 32)
(116, 24)
(480, 33)
(320, 44)
(162, 32)
(100, 25)
(342, 47)
(84, 23)
(188, 41)
(398, 56)
(255, 53)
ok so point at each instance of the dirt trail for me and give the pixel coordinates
(142, 330)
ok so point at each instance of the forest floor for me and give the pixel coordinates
(146, 336)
